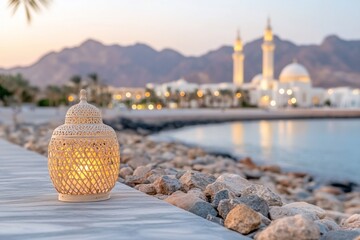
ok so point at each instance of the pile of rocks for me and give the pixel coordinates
(261, 202)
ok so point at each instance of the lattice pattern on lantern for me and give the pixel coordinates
(83, 156)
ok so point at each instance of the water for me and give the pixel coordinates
(329, 149)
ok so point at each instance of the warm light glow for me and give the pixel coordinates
(70, 98)
(133, 107)
(151, 107)
(356, 91)
(238, 95)
(200, 93)
(147, 94)
(118, 96)
(158, 107)
(139, 107)
(216, 93)
(273, 103)
(289, 92)
(138, 96)
(182, 93)
(330, 91)
(281, 91)
(167, 94)
(128, 94)
(293, 100)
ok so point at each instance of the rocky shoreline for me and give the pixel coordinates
(258, 201)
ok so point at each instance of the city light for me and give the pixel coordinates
(356, 92)
(273, 103)
(200, 93)
(182, 93)
(289, 92)
(281, 91)
(118, 96)
(138, 96)
(70, 98)
(151, 107)
(293, 100)
(330, 91)
(158, 107)
(133, 107)
(238, 95)
(147, 94)
(216, 93)
(128, 94)
(167, 94)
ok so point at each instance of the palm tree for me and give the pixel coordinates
(29, 5)
(94, 87)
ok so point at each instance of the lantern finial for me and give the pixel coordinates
(83, 95)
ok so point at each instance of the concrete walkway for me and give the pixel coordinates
(29, 209)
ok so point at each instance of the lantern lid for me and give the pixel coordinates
(83, 112)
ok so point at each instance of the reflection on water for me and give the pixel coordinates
(325, 147)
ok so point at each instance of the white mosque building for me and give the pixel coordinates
(293, 88)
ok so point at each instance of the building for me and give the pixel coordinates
(292, 89)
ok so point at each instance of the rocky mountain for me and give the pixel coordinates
(335, 62)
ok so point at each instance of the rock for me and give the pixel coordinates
(233, 182)
(126, 171)
(265, 193)
(256, 203)
(341, 235)
(198, 193)
(225, 206)
(146, 188)
(137, 161)
(264, 220)
(242, 219)
(352, 222)
(132, 181)
(271, 168)
(214, 219)
(277, 212)
(321, 213)
(221, 195)
(330, 224)
(192, 179)
(328, 201)
(248, 162)
(213, 188)
(295, 227)
(141, 171)
(166, 185)
(182, 200)
(203, 209)
(330, 189)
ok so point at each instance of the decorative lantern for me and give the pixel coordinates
(84, 155)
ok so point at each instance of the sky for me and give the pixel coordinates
(192, 27)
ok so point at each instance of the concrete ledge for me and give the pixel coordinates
(29, 209)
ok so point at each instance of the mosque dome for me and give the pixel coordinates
(294, 72)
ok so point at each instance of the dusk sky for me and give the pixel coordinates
(191, 27)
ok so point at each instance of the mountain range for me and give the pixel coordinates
(334, 62)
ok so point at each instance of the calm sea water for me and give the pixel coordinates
(330, 148)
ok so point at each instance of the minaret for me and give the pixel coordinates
(238, 61)
(268, 48)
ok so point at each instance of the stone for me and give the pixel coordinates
(341, 235)
(242, 219)
(221, 195)
(213, 188)
(329, 223)
(271, 168)
(256, 203)
(321, 213)
(295, 227)
(214, 219)
(198, 193)
(265, 193)
(137, 161)
(132, 181)
(277, 212)
(166, 185)
(234, 182)
(225, 206)
(192, 179)
(146, 188)
(338, 217)
(352, 222)
(126, 171)
(203, 209)
(141, 171)
(328, 201)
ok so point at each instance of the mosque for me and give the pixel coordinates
(293, 88)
